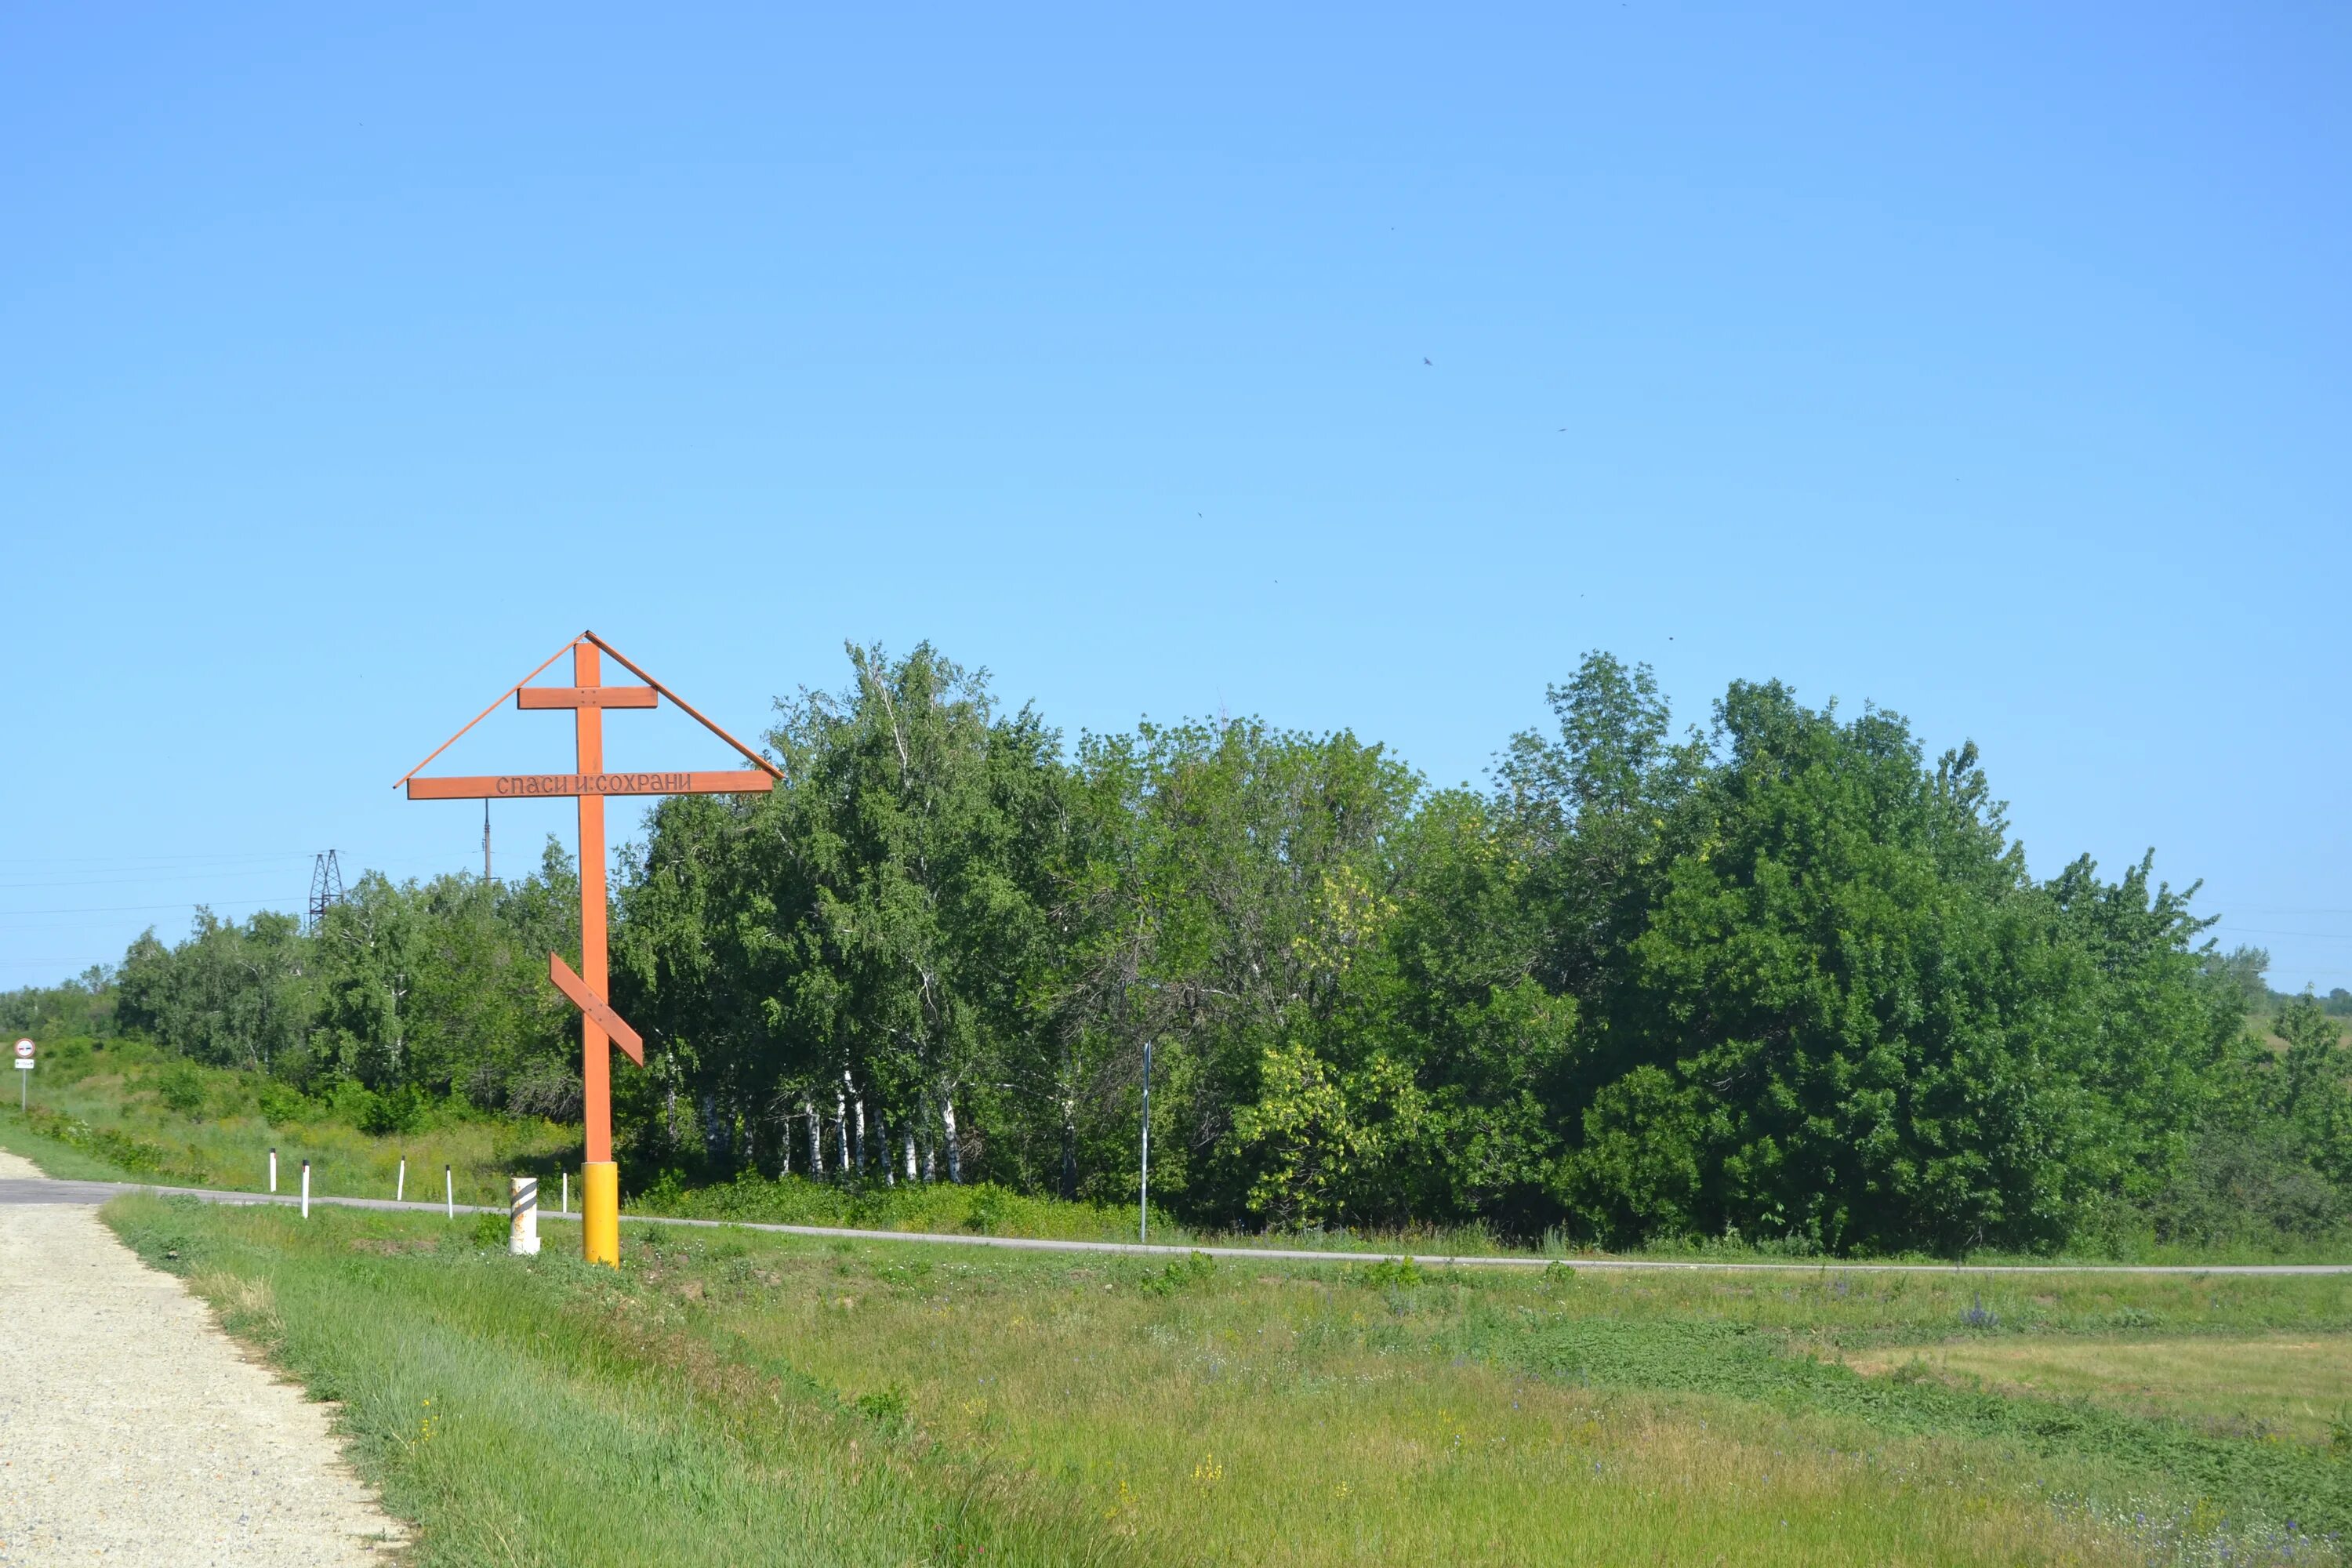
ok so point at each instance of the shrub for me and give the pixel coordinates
(281, 1104)
(1181, 1273)
(67, 1061)
(181, 1087)
(988, 1205)
(110, 1145)
(548, 1089)
(1387, 1273)
(2247, 1186)
(394, 1109)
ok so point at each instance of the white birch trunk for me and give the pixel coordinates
(910, 1153)
(841, 1129)
(816, 1141)
(955, 1155)
(859, 1107)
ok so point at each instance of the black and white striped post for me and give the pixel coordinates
(523, 1217)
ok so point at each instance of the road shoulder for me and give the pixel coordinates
(132, 1428)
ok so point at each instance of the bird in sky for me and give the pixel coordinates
(1424, 358)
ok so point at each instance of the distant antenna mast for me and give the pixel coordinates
(486, 839)
(326, 888)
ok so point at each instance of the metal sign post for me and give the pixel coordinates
(24, 1064)
(588, 988)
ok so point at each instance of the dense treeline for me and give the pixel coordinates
(403, 994)
(1782, 977)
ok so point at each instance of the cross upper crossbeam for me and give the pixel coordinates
(586, 697)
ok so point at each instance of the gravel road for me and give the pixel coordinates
(134, 1430)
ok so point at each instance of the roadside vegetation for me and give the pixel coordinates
(735, 1396)
(127, 1110)
(1781, 982)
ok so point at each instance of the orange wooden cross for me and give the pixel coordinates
(590, 989)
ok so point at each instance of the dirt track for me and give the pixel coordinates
(132, 1430)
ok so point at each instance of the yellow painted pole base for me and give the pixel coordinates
(600, 1212)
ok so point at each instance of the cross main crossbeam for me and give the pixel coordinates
(516, 787)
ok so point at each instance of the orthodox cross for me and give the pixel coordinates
(588, 697)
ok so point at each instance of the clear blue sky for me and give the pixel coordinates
(1351, 367)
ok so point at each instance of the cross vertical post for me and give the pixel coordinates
(600, 1212)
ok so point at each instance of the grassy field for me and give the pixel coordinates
(734, 1396)
(2296, 1386)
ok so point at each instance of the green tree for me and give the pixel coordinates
(1240, 910)
(1872, 1028)
(231, 994)
(874, 931)
(2247, 969)
(2316, 1100)
(1491, 1045)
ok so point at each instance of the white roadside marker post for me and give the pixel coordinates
(400, 1184)
(523, 1217)
(450, 1190)
(567, 1193)
(306, 1189)
(273, 1170)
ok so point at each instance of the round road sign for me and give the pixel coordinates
(24, 1048)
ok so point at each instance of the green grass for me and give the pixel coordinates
(736, 1396)
(105, 1114)
(2297, 1385)
(980, 1209)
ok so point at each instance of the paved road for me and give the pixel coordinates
(132, 1430)
(49, 1192)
